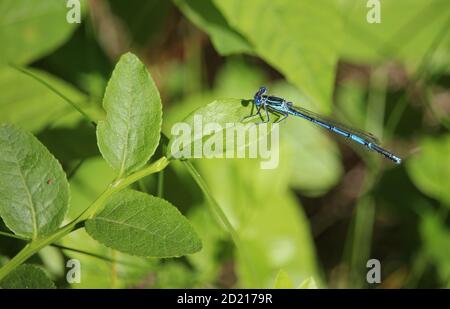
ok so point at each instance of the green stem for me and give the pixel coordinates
(121, 184)
(37, 244)
(361, 241)
(401, 104)
(14, 236)
(97, 256)
(220, 216)
(160, 191)
(33, 247)
(56, 91)
(61, 247)
(212, 203)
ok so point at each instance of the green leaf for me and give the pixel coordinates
(240, 78)
(144, 225)
(121, 271)
(34, 192)
(205, 15)
(29, 31)
(292, 37)
(96, 273)
(130, 134)
(272, 226)
(436, 240)
(31, 105)
(235, 77)
(283, 281)
(275, 237)
(308, 283)
(429, 169)
(27, 277)
(402, 34)
(220, 112)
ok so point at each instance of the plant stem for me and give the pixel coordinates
(61, 247)
(57, 92)
(35, 245)
(401, 103)
(13, 236)
(95, 255)
(221, 217)
(121, 184)
(212, 203)
(160, 191)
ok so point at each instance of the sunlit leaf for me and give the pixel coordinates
(128, 270)
(34, 193)
(26, 102)
(206, 16)
(436, 239)
(283, 281)
(29, 31)
(401, 34)
(236, 79)
(292, 37)
(130, 134)
(144, 225)
(220, 116)
(429, 169)
(239, 79)
(272, 227)
(308, 283)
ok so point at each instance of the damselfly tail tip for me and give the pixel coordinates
(397, 160)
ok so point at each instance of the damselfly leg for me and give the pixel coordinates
(258, 113)
(285, 115)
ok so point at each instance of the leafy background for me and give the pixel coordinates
(329, 206)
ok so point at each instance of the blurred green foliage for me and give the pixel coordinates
(23, 25)
(328, 207)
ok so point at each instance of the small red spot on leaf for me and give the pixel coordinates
(49, 182)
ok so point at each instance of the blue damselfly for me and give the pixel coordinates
(284, 108)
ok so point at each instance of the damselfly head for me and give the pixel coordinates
(259, 94)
